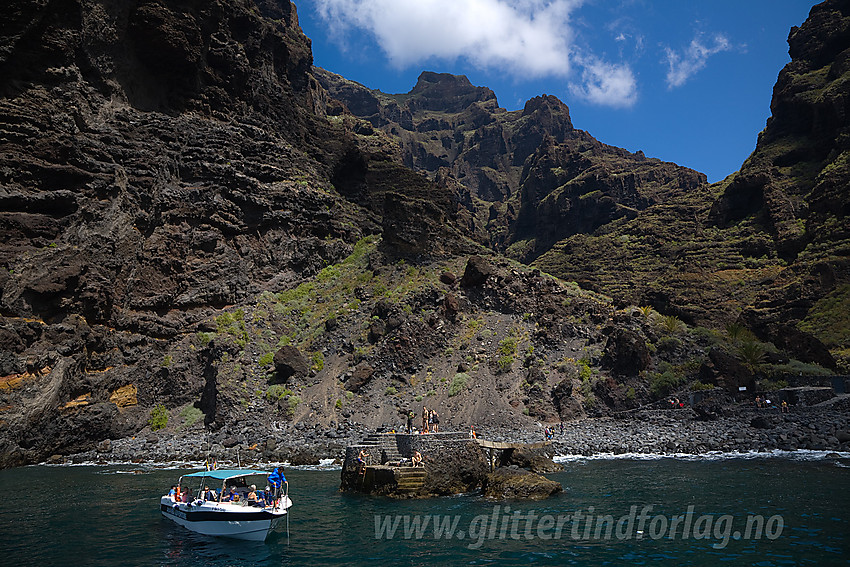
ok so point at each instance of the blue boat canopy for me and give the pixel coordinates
(224, 474)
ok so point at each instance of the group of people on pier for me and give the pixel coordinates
(430, 421)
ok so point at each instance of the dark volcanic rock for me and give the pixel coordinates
(626, 353)
(800, 344)
(725, 370)
(509, 483)
(556, 180)
(377, 329)
(565, 404)
(303, 456)
(360, 376)
(775, 224)
(535, 460)
(149, 151)
(290, 363)
(761, 422)
(477, 271)
(180, 196)
(458, 471)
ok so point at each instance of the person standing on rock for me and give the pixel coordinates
(424, 419)
(410, 416)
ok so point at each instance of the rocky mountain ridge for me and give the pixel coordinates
(768, 246)
(761, 248)
(523, 179)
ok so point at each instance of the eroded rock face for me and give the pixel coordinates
(162, 160)
(166, 163)
(555, 180)
(724, 369)
(567, 406)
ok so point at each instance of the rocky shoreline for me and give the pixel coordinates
(661, 432)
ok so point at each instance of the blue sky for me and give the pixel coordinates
(688, 82)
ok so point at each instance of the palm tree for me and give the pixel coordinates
(672, 324)
(751, 353)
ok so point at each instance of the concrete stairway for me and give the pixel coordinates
(380, 445)
(409, 479)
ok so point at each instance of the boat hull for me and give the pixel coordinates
(224, 520)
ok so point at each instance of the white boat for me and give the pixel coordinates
(242, 519)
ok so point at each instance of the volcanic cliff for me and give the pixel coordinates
(201, 230)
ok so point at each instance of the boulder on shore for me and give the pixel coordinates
(515, 483)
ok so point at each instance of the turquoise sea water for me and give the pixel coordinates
(108, 515)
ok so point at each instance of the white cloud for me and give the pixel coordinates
(682, 66)
(529, 38)
(523, 38)
(607, 84)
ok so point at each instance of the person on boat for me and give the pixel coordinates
(173, 492)
(252, 495)
(187, 496)
(230, 495)
(278, 481)
(262, 497)
(208, 494)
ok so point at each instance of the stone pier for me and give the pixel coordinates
(451, 463)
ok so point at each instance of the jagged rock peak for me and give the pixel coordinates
(550, 104)
(447, 92)
(824, 35)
